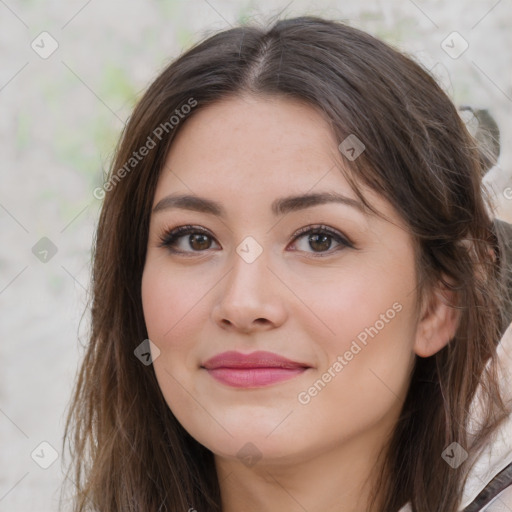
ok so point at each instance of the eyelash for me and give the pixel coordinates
(169, 238)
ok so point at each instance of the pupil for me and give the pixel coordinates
(325, 238)
(201, 240)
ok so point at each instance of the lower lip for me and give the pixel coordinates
(253, 377)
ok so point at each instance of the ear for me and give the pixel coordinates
(438, 322)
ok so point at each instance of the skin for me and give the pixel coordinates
(244, 153)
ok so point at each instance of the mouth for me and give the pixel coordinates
(252, 370)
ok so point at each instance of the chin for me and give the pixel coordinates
(251, 443)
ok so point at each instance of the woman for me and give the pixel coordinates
(295, 220)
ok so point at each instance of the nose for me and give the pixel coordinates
(251, 298)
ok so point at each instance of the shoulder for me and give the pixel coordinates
(501, 503)
(489, 483)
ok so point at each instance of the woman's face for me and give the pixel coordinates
(338, 302)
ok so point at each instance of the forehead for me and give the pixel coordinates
(256, 150)
(250, 139)
(248, 134)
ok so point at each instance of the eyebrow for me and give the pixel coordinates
(279, 206)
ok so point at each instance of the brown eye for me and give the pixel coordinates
(187, 239)
(193, 239)
(199, 242)
(320, 240)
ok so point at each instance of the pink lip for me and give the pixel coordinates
(252, 370)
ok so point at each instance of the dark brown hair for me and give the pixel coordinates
(128, 451)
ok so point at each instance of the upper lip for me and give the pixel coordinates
(258, 359)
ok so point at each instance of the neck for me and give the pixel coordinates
(340, 479)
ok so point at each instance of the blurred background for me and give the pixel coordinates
(70, 75)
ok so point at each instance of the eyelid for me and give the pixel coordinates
(339, 237)
(315, 228)
(178, 232)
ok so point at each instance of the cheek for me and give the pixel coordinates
(170, 300)
(364, 327)
(365, 370)
(176, 308)
(172, 312)
(363, 304)
(370, 353)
